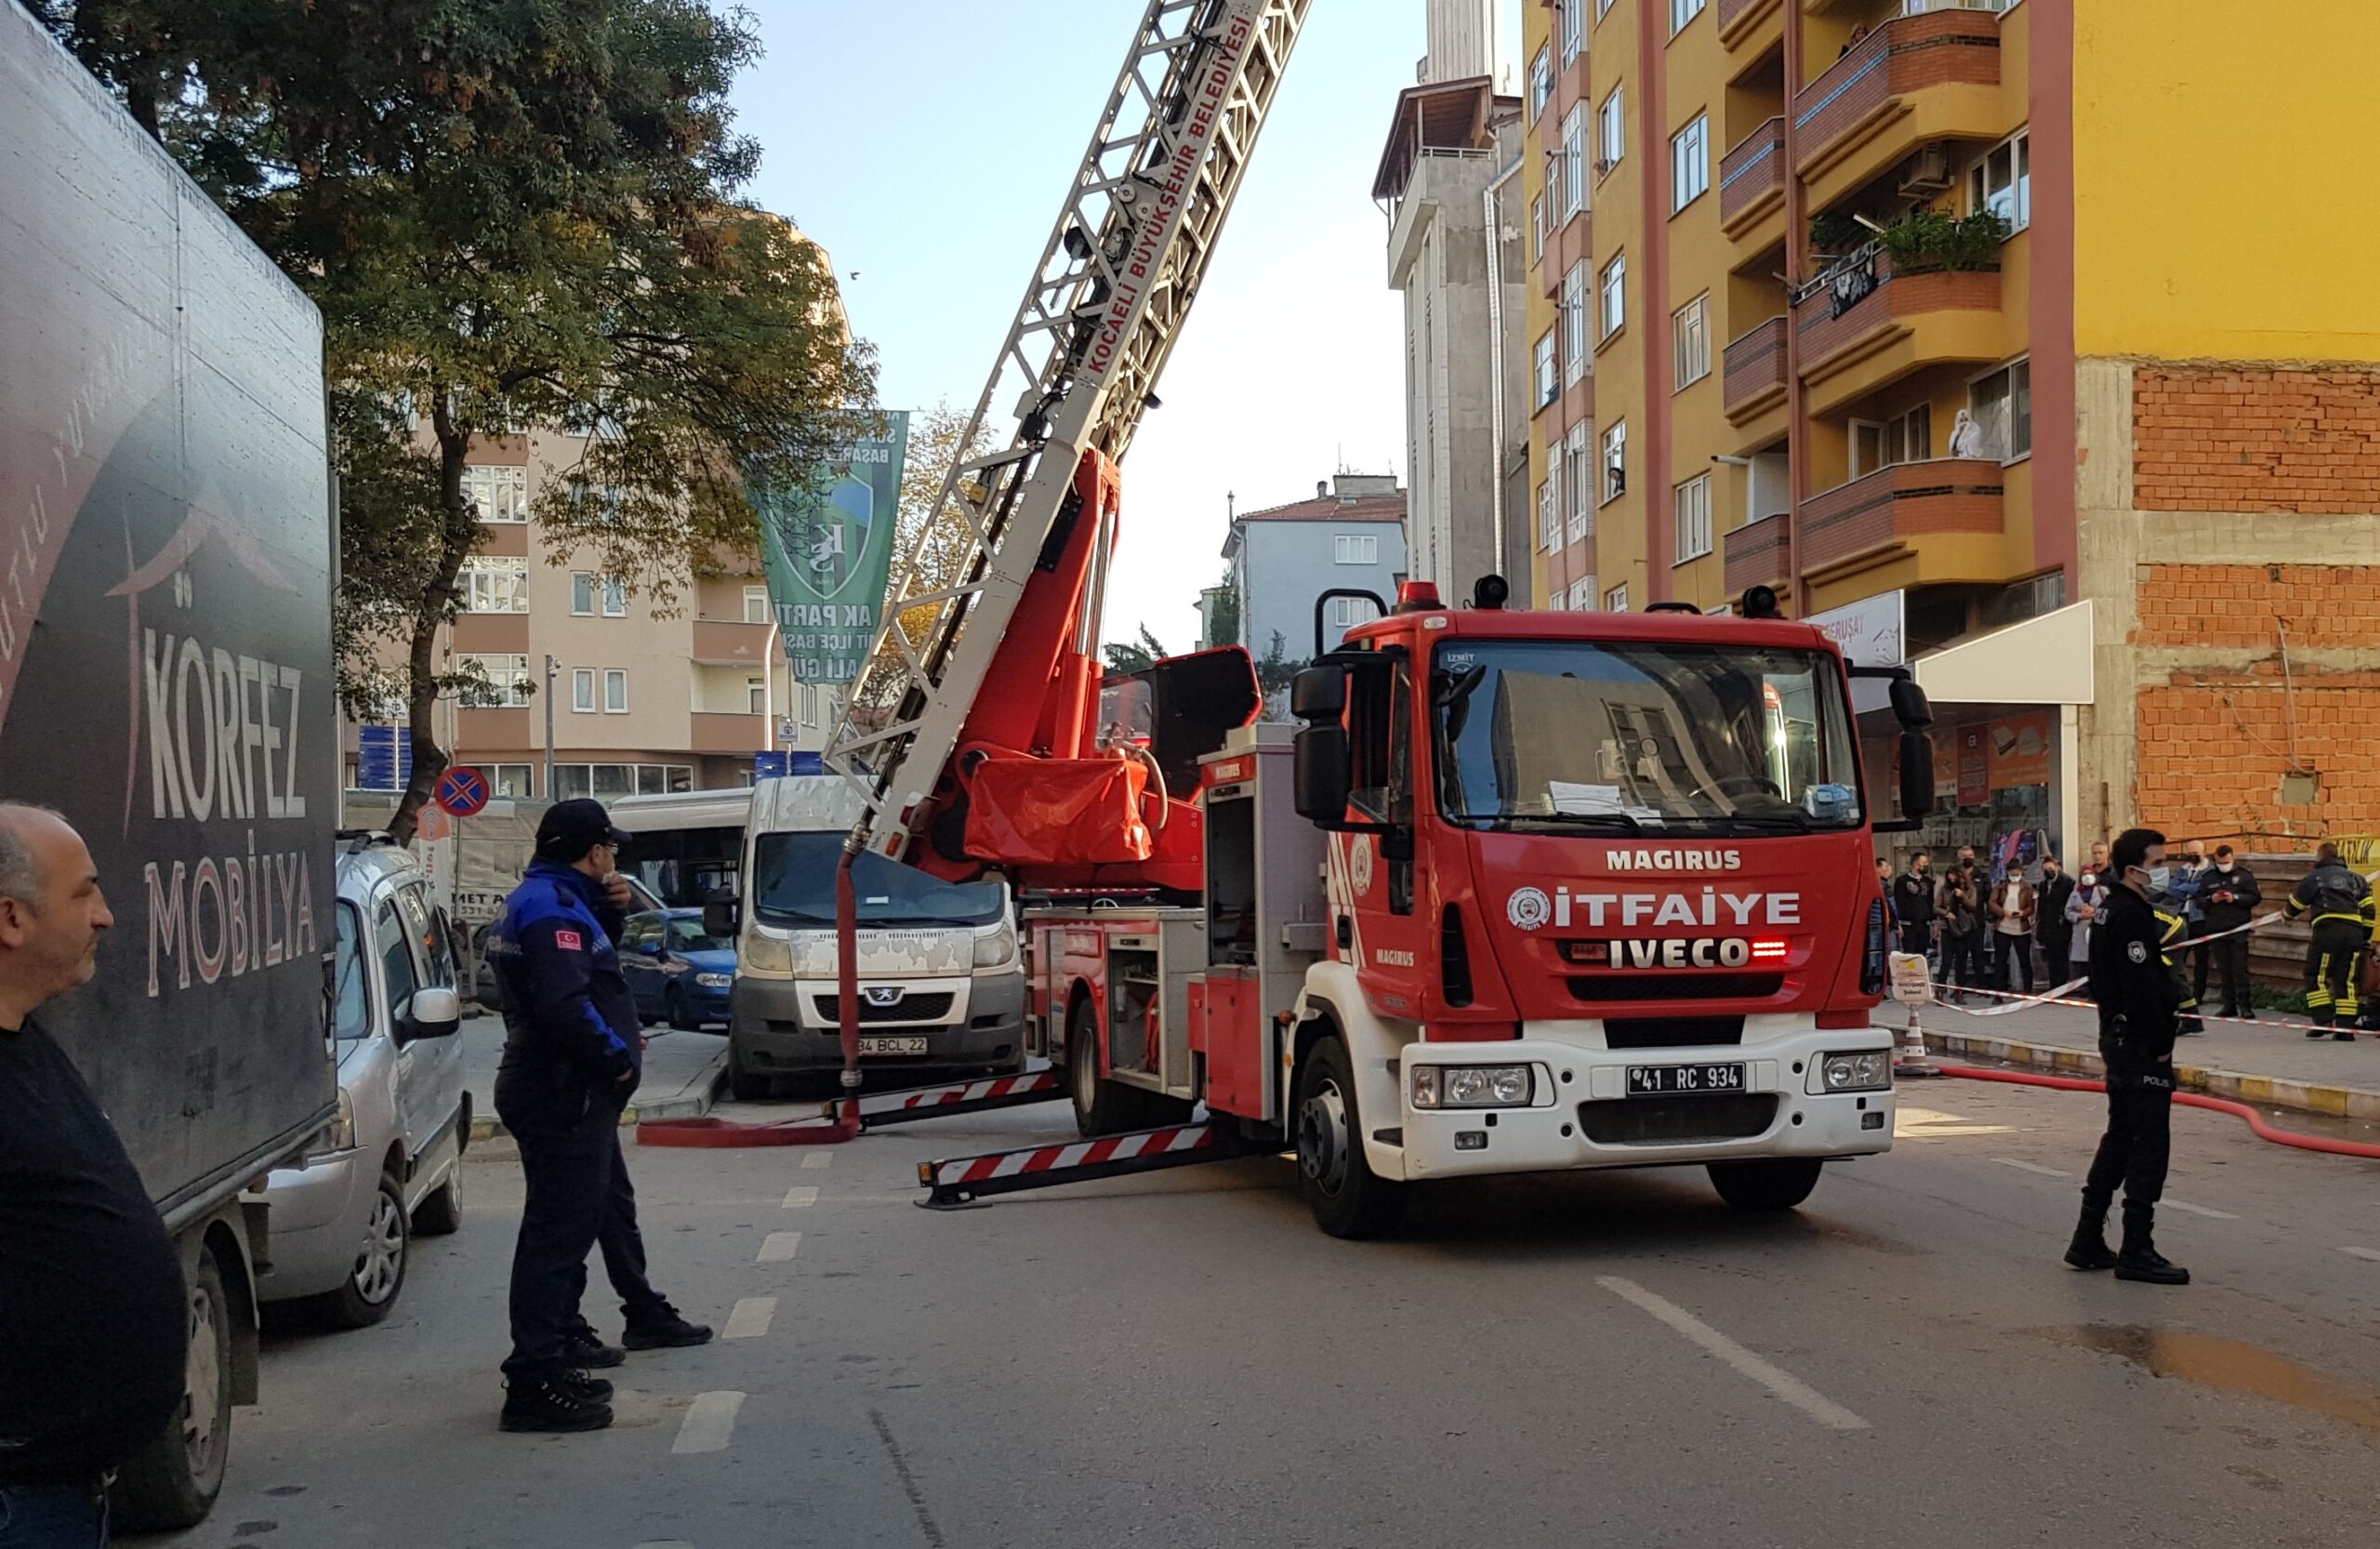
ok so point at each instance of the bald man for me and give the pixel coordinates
(90, 1286)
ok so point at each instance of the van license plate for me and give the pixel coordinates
(1663, 1081)
(892, 1046)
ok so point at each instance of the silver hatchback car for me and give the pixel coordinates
(344, 1214)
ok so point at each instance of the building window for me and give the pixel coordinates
(1906, 437)
(518, 780)
(582, 592)
(615, 691)
(1555, 603)
(2002, 182)
(809, 695)
(498, 491)
(509, 682)
(1690, 342)
(1682, 12)
(1574, 320)
(2001, 406)
(495, 586)
(1611, 131)
(1615, 296)
(1615, 461)
(582, 691)
(1536, 232)
(615, 598)
(1549, 508)
(1602, 6)
(756, 605)
(1616, 600)
(607, 781)
(1541, 82)
(1574, 27)
(1353, 549)
(1574, 161)
(1693, 518)
(756, 692)
(1348, 611)
(1582, 481)
(1690, 163)
(1582, 595)
(1549, 371)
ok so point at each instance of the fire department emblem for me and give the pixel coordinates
(1530, 908)
(1359, 864)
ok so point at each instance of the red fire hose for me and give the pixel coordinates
(2188, 1099)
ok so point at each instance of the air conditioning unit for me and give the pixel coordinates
(1926, 173)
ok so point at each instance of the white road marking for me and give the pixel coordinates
(2369, 1253)
(2031, 1167)
(750, 1318)
(778, 1247)
(2189, 1209)
(710, 1424)
(1784, 1385)
(800, 1198)
(818, 1158)
(666, 1543)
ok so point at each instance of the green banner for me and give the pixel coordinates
(829, 554)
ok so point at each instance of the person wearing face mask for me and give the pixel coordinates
(1913, 905)
(2188, 895)
(2082, 916)
(2139, 1002)
(2051, 927)
(2228, 898)
(2334, 897)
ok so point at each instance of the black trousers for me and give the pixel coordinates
(1917, 939)
(1963, 960)
(2230, 955)
(2007, 949)
(2057, 951)
(2335, 973)
(623, 1248)
(568, 1167)
(2137, 1147)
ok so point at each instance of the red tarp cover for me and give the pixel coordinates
(1058, 812)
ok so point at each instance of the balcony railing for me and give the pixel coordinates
(1857, 296)
(1755, 365)
(730, 642)
(1895, 504)
(1394, 204)
(1759, 553)
(1735, 12)
(1753, 171)
(1908, 53)
(718, 732)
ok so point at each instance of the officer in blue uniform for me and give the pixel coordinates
(572, 1055)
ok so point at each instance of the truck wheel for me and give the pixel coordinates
(174, 1483)
(1347, 1197)
(1101, 1107)
(441, 1213)
(744, 1084)
(1771, 1184)
(370, 1290)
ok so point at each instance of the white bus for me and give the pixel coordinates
(687, 843)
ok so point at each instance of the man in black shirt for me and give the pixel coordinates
(91, 1294)
(2139, 999)
(2050, 925)
(1913, 906)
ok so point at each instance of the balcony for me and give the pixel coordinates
(1863, 328)
(730, 642)
(1745, 25)
(1751, 179)
(713, 732)
(1884, 512)
(1914, 80)
(1756, 371)
(1759, 553)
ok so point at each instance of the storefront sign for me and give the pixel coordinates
(1871, 632)
(1974, 766)
(2020, 750)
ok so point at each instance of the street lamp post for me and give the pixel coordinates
(553, 670)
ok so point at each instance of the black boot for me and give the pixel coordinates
(585, 1348)
(665, 1327)
(2089, 1249)
(2139, 1261)
(552, 1401)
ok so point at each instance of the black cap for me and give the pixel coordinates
(571, 829)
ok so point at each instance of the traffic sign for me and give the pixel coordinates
(462, 792)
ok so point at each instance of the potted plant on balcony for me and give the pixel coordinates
(1833, 235)
(1924, 240)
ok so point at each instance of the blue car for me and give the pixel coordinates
(678, 974)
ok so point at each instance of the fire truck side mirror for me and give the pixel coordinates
(1319, 694)
(1916, 774)
(1911, 707)
(1322, 775)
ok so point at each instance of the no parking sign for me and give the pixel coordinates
(462, 792)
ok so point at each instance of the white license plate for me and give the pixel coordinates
(881, 1045)
(1662, 1081)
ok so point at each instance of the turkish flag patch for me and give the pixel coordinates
(570, 941)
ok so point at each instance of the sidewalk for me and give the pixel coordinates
(2270, 1063)
(682, 1073)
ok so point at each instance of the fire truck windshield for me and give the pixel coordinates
(795, 885)
(1644, 738)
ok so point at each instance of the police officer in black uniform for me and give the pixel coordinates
(2139, 1000)
(572, 1055)
(2334, 897)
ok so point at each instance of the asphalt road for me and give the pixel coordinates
(1181, 1361)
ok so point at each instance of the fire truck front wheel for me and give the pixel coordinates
(1347, 1197)
(1770, 1183)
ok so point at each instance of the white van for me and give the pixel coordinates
(941, 981)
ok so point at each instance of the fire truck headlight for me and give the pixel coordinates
(1869, 1071)
(1425, 1086)
(1485, 1086)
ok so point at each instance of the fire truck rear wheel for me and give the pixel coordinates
(1347, 1197)
(1102, 1108)
(1772, 1184)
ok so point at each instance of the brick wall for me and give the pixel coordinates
(1907, 54)
(2255, 440)
(2236, 606)
(2213, 747)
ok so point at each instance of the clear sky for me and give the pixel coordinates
(927, 143)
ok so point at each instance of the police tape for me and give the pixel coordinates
(2056, 996)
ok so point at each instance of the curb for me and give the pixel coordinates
(2274, 1092)
(696, 1099)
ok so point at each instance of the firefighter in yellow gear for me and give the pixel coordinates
(2173, 926)
(2339, 904)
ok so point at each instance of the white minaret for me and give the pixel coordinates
(1463, 39)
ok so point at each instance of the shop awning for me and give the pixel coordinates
(2042, 661)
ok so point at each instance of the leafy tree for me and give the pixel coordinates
(1222, 615)
(1275, 671)
(1127, 657)
(514, 215)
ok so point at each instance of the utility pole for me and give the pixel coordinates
(553, 670)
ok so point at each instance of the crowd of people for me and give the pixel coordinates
(1989, 931)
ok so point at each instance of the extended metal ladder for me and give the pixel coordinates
(1079, 365)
